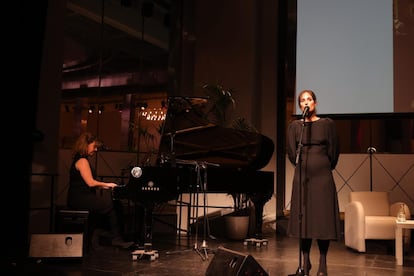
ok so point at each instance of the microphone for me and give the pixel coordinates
(305, 111)
(104, 147)
(136, 172)
(101, 146)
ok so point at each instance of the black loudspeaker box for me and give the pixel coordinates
(67, 246)
(227, 262)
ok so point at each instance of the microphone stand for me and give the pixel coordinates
(298, 161)
(370, 151)
(206, 229)
(201, 186)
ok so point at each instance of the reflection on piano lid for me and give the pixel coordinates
(188, 134)
(185, 114)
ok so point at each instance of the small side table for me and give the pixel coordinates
(399, 254)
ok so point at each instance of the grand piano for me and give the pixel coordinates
(230, 161)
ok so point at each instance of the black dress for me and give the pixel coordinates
(97, 201)
(320, 153)
(83, 197)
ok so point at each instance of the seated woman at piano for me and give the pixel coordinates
(83, 189)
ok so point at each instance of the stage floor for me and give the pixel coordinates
(193, 256)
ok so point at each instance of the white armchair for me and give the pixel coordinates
(370, 216)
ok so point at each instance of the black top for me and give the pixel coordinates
(75, 179)
(83, 197)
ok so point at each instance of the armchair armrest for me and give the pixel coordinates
(354, 226)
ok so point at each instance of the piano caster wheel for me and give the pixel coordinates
(145, 255)
(155, 256)
(256, 242)
(261, 243)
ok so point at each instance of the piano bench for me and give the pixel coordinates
(73, 221)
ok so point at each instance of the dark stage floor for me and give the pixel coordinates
(180, 257)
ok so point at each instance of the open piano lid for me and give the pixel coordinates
(188, 134)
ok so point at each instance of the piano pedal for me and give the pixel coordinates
(256, 242)
(141, 254)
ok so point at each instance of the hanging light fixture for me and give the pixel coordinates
(100, 109)
(142, 105)
(91, 109)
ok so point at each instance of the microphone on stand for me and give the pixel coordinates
(104, 147)
(305, 112)
(101, 146)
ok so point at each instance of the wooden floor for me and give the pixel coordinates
(199, 254)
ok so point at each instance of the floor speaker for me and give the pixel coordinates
(227, 262)
(56, 246)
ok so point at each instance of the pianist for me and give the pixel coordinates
(84, 193)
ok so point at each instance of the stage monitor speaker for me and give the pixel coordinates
(56, 246)
(227, 262)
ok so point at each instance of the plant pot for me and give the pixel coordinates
(237, 227)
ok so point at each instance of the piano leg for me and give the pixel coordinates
(259, 200)
(147, 252)
(148, 218)
(139, 220)
(258, 207)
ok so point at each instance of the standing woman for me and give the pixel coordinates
(316, 200)
(83, 188)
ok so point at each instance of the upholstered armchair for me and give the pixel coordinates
(371, 216)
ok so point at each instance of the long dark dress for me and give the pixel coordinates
(320, 153)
